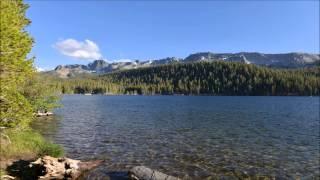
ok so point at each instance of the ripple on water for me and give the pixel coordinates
(191, 137)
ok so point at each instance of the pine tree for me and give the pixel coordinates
(15, 67)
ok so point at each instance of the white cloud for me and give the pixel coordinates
(40, 69)
(86, 50)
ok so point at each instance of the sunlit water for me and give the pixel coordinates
(192, 137)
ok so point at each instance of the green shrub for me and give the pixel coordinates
(50, 149)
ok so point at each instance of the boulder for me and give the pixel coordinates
(144, 173)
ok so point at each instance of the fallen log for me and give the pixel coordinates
(6, 177)
(44, 114)
(144, 173)
(62, 168)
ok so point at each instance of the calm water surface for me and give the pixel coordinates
(193, 137)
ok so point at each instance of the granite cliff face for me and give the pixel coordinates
(101, 66)
(288, 60)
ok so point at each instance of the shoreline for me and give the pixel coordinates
(192, 95)
(47, 167)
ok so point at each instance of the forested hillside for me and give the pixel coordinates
(201, 78)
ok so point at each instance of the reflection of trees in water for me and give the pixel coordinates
(48, 126)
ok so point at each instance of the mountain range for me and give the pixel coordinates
(286, 60)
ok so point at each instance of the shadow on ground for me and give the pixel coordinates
(22, 170)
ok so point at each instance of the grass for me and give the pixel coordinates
(26, 144)
(2, 172)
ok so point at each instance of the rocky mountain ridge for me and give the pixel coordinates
(287, 60)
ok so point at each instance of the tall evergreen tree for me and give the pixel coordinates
(15, 67)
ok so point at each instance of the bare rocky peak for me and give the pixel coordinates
(97, 65)
(167, 60)
(285, 60)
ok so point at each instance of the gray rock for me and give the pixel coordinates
(144, 173)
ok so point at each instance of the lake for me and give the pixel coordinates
(192, 137)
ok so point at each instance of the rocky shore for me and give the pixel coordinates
(48, 167)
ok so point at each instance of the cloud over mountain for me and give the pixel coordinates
(86, 50)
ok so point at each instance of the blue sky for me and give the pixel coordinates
(68, 32)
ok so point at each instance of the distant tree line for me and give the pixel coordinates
(201, 78)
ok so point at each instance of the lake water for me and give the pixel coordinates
(192, 137)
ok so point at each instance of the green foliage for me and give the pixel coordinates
(15, 109)
(15, 68)
(209, 78)
(27, 143)
(22, 90)
(15, 43)
(40, 93)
